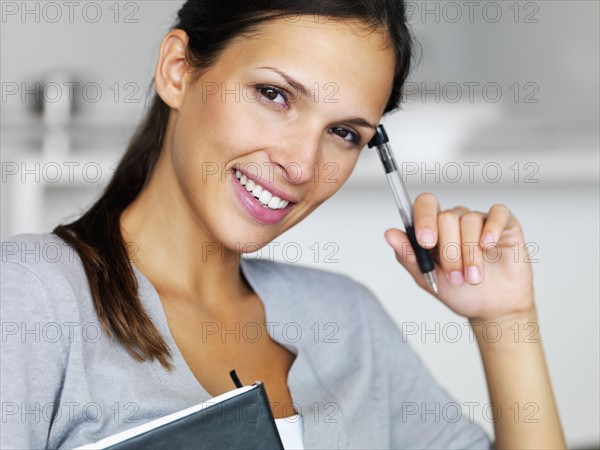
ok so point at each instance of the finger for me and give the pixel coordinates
(404, 253)
(471, 224)
(498, 219)
(460, 210)
(425, 211)
(450, 252)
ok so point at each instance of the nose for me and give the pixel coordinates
(298, 154)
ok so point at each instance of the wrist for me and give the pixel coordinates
(529, 314)
(508, 330)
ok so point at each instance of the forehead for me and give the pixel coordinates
(346, 55)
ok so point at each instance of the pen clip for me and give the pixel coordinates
(380, 137)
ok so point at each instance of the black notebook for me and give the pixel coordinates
(238, 419)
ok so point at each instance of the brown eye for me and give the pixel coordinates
(341, 131)
(273, 95)
(345, 134)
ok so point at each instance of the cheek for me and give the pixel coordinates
(206, 138)
(334, 174)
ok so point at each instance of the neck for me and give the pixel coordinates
(175, 252)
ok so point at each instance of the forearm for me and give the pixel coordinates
(519, 383)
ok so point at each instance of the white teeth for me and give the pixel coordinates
(274, 203)
(265, 197)
(257, 191)
(262, 195)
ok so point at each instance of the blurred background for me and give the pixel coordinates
(503, 108)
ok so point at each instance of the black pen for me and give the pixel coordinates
(381, 142)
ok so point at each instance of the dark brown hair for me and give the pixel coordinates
(210, 26)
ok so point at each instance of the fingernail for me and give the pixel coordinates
(456, 278)
(426, 238)
(488, 239)
(473, 274)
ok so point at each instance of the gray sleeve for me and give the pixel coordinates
(423, 414)
(32, 359)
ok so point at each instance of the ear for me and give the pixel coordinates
(169, 78)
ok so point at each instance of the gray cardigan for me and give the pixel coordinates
(355, 380)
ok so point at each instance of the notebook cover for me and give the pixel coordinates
(241, 422)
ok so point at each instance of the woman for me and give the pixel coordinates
(148, 314)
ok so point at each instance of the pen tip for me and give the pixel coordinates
(430, 277)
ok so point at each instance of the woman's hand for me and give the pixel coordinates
(483, 274)
(482, 266)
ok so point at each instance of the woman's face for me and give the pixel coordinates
(288, 107)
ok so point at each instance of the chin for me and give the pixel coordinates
(243, 240)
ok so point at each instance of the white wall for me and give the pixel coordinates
(557, 136)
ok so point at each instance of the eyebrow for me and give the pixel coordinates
(358, 121)
(295, 84)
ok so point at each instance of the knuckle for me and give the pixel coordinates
(448, 216)
(425, 197)
(470, 217)
(460, 208)
(499, 208)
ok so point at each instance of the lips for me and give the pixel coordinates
(264, 208)
(262, 194)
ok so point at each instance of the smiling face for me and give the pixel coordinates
(289, 107)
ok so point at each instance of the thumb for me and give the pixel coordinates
(405, 254)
